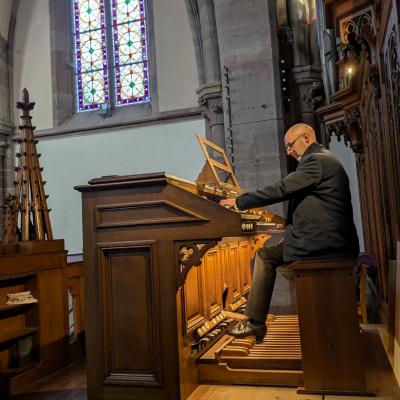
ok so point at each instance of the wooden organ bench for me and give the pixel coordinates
(329, 327)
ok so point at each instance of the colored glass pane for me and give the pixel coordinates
(130, 43)
(130, 51)
(91, 66)
(133, 83)
(93, 88)
(127, 11)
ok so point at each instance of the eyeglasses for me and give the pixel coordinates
(289, 145)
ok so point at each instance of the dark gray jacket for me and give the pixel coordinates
(320, 216)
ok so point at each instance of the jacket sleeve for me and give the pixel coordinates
(307, 175)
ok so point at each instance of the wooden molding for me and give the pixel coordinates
(134, 214)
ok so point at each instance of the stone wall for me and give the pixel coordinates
(248, 44)
(6, 127)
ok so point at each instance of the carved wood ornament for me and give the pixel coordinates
(30, 197)
(337, 128)
(365, 112)
(352, 119)
(189, 254)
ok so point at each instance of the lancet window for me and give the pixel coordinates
(110, 47)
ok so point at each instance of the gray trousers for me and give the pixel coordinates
(267, 261)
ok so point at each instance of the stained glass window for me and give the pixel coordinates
(130, 54)
(91, 62)
(110, 52)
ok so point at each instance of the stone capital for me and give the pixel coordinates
(6, 128)
(209, 90)
(308, 89)
(306, 73)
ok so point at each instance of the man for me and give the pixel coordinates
(319, 224)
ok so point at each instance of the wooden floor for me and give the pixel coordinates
(67, 384)
(70, 383)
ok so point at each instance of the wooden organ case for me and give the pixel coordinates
(32, 332)
(154, 321)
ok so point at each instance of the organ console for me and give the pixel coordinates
(166, 266)
(167, 270)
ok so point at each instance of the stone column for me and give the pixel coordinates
(248, 44)
(6, 127)
(4, 82)
(204, 30)
(327, 51)
(212, 69)
(299, 19)
(306, 69)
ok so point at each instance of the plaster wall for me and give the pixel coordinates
(31, 60)
(73, 160)
(348, 160)
(176, 63)
(5, 13)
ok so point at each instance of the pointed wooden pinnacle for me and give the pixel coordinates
(25, 105)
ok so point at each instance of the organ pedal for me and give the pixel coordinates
(275, 361)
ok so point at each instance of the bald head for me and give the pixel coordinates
(296, 129)
(298, 138)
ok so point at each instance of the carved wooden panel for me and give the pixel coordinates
(52, 320)
(377, 179)
(390, 69)
(370, 34)
(225, 277)
(378, 171)
(130, 311)
(361, 20)
(234, 282)
(193, 300)
(74, 291)
(244, 260)
(212, 275)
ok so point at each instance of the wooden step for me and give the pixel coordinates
(223, 374)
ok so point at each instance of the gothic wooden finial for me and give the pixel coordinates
(24, 105)
(30, 197)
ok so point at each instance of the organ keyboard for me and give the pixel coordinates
(252, 221)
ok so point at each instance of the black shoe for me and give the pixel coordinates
(246, 328)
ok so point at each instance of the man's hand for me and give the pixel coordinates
(229, 203)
